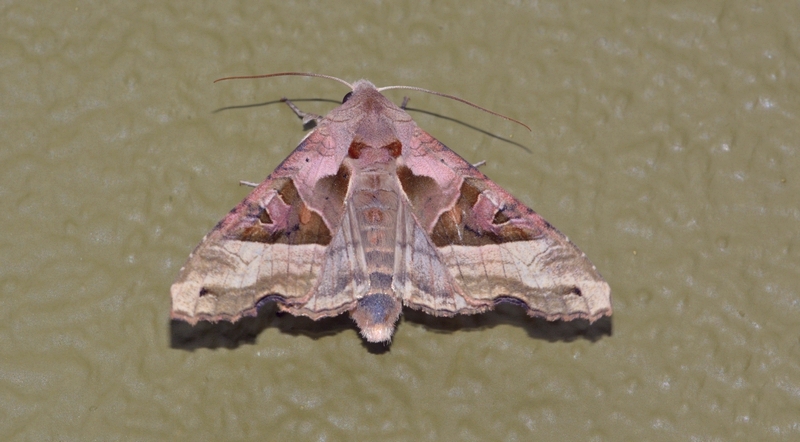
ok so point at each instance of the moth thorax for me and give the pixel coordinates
(375, 315)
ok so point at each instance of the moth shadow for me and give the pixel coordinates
(537, 328)
(231, 335)
(245, 331)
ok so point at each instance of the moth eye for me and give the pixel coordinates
(347, 97)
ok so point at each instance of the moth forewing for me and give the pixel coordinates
(370, 213)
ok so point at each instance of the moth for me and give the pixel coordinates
(369, 214)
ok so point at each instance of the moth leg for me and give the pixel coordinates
(305, 116)
(248, 183)
(404, 103)
(479, 164)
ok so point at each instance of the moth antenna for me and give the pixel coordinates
(453, 97)
(282, 74)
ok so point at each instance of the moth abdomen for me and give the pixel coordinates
(375, 314)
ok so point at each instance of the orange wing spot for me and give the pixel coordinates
(305, 215)
(394, 148)
(355, 149)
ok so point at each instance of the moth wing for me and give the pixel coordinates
(421, 277)
(496, 248)
(276, 244)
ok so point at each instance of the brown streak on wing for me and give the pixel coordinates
(300, 226)
(424, 195)
(329, 195)
(468, 223)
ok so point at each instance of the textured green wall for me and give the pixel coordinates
(665, 144)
